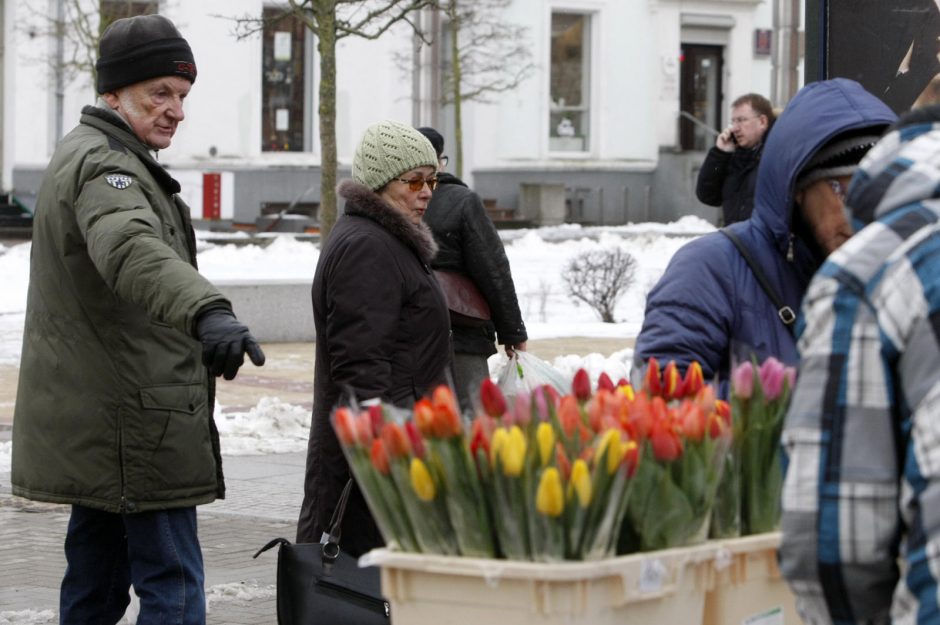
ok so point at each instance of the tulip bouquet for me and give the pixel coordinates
(686, 433)
(545, 478)
(759, 398)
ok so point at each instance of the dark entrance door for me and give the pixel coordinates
(700, 95)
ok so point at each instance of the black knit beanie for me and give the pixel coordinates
(434, 137)
(139, 48)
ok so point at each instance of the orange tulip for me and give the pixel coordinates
(446, 412)
(694, 380)
(395, 440)
(569, 415)
(345, 427)
(379, 456)
(692, 420)
(561, 459)
(364, 433)
(424, 416)
(672, 381)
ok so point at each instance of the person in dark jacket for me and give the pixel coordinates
(469, 245)
(709, 298)
(115, 398)
(380, 317)
(729, 174)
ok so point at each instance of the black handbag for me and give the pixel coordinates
(318, 583)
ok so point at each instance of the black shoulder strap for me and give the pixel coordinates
(786, 314)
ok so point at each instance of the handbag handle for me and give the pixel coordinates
(331, 547)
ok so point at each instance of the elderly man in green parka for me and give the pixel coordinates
(122, 341)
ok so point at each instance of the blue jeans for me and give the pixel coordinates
(158, 552)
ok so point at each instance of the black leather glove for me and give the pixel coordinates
(225, 341)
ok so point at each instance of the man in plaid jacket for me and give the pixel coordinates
(861, 497)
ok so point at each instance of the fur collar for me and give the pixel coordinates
(363, 202)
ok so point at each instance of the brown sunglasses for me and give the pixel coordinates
(416, 184)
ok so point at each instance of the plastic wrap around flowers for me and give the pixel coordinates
(546, 477)
(760, 395)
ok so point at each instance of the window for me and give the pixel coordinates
(569, 115)
(283, 84)
(700, 96)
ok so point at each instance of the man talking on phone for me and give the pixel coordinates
(729, 173)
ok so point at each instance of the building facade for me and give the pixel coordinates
(609, 127)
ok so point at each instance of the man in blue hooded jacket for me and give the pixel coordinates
(709, 299)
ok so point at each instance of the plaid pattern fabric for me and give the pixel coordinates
(861, 497)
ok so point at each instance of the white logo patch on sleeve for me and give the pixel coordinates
(118, 181)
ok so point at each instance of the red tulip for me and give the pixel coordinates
(604, 382)
(666, 444)
(414, 437)
(622, 382)
(651, 381)
(581, 385)
(631, 457)
(376, 417)
(379, 456)
(494, 403)
(479, 439)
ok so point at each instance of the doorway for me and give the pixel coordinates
(700, 95)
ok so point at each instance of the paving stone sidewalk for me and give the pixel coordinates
(264, 494)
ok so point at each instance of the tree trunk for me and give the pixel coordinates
(325, 13)
(455, 86)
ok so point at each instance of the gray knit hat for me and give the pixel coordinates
(839, 156)
(387, 150)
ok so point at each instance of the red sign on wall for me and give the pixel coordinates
(211, 196)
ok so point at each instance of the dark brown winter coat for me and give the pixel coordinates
(382, 330)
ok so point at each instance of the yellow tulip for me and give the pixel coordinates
(615, 449)
(549, 499)
(545, 436)
(626, 391)
(512, 452)
(500, 436)
(421, 480)
(580, 483)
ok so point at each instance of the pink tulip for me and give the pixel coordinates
(742, 380)
(522, 410)
(771, 378)
(790, 374)
(541, 404)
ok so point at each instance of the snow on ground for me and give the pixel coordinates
(536, 256)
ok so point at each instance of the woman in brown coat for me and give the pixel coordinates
(381, 321)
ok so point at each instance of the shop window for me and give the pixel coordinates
(569, 113)
(283, 83)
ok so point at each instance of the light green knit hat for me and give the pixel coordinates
(387, 150)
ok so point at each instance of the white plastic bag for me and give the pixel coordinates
(524, 373)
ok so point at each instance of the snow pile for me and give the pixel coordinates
(271, 427)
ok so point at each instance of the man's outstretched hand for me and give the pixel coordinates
(225, 341)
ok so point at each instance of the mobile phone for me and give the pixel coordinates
(734, 139)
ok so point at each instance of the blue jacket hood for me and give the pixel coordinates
(819, 112)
